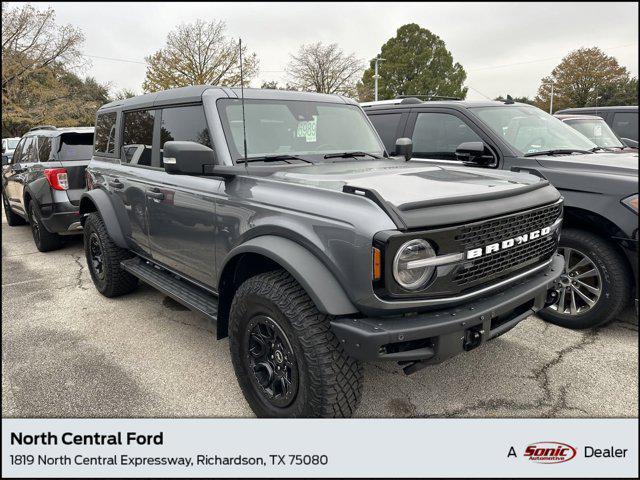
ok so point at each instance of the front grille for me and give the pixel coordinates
(509, 260)
(484, 233)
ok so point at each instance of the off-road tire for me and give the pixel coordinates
(616, 281)
(329, 381)
(116, 281)
(13, 219)
(45, 240)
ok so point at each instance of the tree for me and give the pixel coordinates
(38, 80)
(583, 75)
(196, 54)
(324, 69)
(274, 85)
(524, 99)
(417, 62)
(31, 41)
(124, 94)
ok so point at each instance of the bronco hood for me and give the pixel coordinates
(410, 191)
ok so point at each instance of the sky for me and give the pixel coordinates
(506, 48)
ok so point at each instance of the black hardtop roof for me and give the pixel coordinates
(54, 132)
(193, 94)
(456, 104)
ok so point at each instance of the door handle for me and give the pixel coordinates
(116, 184)
(155, 193)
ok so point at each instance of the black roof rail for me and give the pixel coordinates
(428, 97)
(43, 127)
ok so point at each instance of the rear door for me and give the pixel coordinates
(19, 172)
(10, 171)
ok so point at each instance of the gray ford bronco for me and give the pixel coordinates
(281, 217)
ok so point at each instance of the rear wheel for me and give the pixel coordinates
(45, 240)
(286, 358)
(103, 259)
(13, 219)
(595, 284)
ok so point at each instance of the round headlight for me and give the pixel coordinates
(409, 275)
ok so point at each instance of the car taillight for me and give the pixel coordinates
(57, 178)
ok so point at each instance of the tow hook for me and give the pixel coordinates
(472, 338)
(552, 298)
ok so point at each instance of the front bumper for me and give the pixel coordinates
(433, 337)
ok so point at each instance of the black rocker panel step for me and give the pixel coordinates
(181, 291)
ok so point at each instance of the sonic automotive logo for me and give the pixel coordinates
(550, 452)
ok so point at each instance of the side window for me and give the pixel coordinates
(137, 137)
(185, 124)
(105, 134)
(17, 153)
(29, 153)
(626, 124)
(387, 127)
(437, 135)
(44, 149)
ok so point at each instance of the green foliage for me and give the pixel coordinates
(586, 76)
(417, 62)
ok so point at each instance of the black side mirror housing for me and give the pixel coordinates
(404, 148)
(187, 158)
(475, 153)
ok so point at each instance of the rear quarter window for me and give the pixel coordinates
(75, 146)
(105, 135)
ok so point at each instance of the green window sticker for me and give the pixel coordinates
(307, 130)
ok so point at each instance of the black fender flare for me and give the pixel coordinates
(316, 279)
(98, 200)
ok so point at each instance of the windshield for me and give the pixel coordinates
(12, 143)
(596, 130)
(304, 129)
(530, 130)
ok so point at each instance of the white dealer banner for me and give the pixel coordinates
(320, 448)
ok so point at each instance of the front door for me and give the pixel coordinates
(181, 208)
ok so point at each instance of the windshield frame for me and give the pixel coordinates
(571, 131)
(313, 158)
(599, 121)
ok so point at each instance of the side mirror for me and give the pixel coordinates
(474, 152)
(404, 148)
(630, 143)
(187, 158)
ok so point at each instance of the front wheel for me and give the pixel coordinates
(594, 286)
(287, 360)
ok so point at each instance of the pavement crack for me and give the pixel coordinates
(79, 281)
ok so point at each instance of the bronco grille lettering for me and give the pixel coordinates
(504, 244)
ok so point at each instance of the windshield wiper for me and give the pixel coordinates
(272, 158)
(557, 151)
(350, 155)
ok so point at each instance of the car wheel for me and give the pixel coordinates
(595, 285)
(286, 359)
(13, 219)
(45, 240)
(103, 259)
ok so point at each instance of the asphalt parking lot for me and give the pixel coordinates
(69, 352)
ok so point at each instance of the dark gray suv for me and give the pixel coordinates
(43, 182)
(283, 219)
(600, 188)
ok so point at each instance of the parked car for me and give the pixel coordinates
(8, 146)
(597, 130)
(622, 120)
(311, 249)
(600, 234)
(44, 180)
